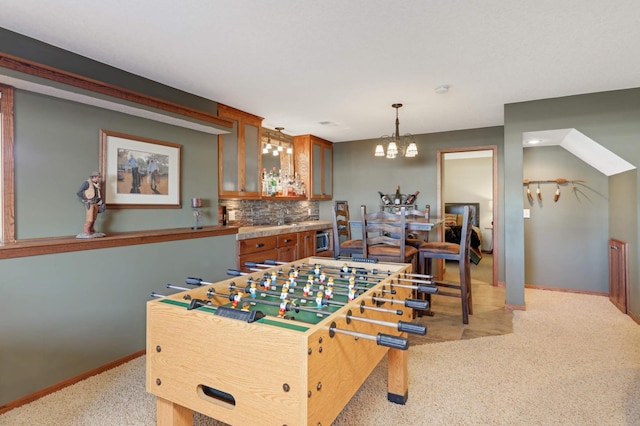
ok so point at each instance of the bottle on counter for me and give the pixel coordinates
(412, 198)
(273, 182)
(385, 200)
(398, 198)
(265, 181)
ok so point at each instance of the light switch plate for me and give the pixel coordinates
(232, 215)
(527, 213)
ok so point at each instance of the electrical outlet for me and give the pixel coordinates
(232, 215)
(309, 212)
(527, 213)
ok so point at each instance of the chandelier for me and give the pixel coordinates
(278, 145)
(404, 145)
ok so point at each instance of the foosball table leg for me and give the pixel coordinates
(171, 414)
(398, 379)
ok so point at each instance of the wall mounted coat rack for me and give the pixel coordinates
(558, 182)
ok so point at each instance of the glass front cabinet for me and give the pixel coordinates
(239, 155)
(314, 161)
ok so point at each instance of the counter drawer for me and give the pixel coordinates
(286, 240)
(253, 245)
(258, 257)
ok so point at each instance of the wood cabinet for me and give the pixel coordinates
(283, 248)
(287, 247)
(239, 155)
(256, 250)
(314, 163)
(619, 275)
(306, 244)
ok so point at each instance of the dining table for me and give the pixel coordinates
(413, 224)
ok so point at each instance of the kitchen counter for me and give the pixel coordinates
(245, 232)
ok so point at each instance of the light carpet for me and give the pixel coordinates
(572, 359)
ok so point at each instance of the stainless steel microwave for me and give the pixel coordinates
(322, 241)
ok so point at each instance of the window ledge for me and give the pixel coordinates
(44, 246)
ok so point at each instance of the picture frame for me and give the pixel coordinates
(139, 172)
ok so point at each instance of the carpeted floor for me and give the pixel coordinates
(572, 359)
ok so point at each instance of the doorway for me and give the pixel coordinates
(470, 175)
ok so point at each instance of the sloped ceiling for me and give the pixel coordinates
(582, 146)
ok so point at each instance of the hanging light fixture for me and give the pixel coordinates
(404, 145)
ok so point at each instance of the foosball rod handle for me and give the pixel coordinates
(196, 281)
(413, 328)
(235, 272)
(428, 289)
(419, 304)
(387, 340)
(394, 342)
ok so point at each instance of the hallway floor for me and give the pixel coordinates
(488, 319)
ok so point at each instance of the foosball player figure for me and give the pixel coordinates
(253, 289)
(352, 283)
(328, 293)
(352, 294)
(285, 291)
(322, 277)
(267, 284)
(237, 299)
(245, 306)
(283, 308)
(308, 288)
(317, 270)
(292, 279)
(274, 277)
(345, 268)
(319, 299)
(296, 273)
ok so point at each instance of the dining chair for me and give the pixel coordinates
(384, 237)
(452, 251)
(343, 244)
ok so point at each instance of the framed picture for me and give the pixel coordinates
(139, 172)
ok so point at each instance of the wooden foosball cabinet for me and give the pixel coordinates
(291, 357)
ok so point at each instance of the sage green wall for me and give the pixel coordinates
(57, 146)
(358, 175)
(609, 118)
(623, 226)
(68, 313)
(566, 241)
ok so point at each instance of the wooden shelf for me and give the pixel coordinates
(43, 246)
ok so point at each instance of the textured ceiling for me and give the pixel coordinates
(334, 67)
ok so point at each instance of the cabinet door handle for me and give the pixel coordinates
(286, 240)
(614, 248)
(259, 245)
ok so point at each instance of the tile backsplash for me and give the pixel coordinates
(269, 212)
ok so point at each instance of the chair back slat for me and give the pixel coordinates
(465, 234)
(383, 228)
(342, 240)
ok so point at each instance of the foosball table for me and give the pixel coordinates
(286, 344)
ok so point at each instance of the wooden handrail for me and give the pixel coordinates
(44, 246)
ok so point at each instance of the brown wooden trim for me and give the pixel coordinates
(566, 290)
(6, 144)
(72, 381)
(511, 308)
(43, 71)
(44, 246)
(226, 110)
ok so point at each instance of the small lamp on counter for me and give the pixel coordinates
(196, 204)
